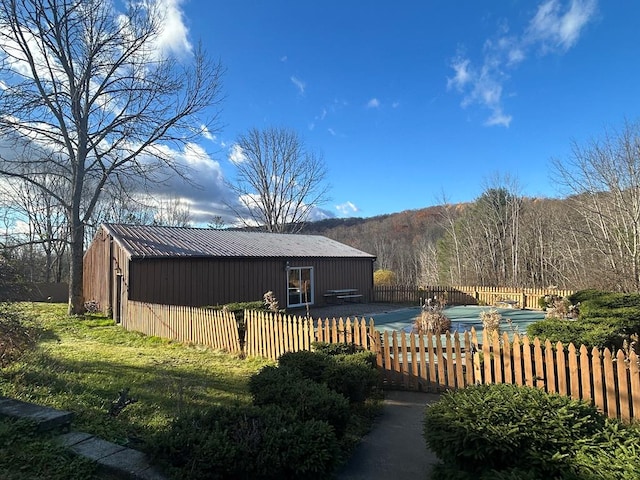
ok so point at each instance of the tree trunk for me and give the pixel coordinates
(76, 296)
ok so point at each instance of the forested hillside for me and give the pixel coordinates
(499, 239)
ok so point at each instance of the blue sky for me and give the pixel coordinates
(410, 100)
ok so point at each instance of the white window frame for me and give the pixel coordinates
(294, 290)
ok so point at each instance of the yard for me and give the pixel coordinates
(81, 365)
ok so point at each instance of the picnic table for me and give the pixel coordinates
(343, 295)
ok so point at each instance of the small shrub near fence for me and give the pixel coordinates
(247, 442)
(507, 431)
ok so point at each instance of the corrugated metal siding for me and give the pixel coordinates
(207, 281)
(198, 281)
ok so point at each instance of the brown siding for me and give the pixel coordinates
(95, 274)
(207, 281)
(211, 281)
(100, 275)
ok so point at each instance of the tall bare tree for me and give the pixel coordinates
(88, 94)
(603, 180)
(279, 182)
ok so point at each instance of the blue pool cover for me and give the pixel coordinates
(462, 319)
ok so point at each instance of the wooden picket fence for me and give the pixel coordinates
(270, 335)
(215, 328)
(435, 363)
(465, 295)
(422, 362)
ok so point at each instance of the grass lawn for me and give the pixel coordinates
(80, 364)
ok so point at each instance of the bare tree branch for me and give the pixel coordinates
(88, 96)
(278, 182)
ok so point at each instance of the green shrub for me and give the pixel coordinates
(501, 427)
(369, 358)
(606, 320)
(583, 295)
(336, 348)
(353, 376)
(610, 301)
(311, 365)
(600, 333)
(558, 330)
(247, 442)
(306, 399)
(611, 454)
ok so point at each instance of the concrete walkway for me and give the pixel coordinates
(395, 447)
(123, 462)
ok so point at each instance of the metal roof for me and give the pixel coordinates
(147, 241)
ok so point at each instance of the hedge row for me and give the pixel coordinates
(295, 428)
(606, 320)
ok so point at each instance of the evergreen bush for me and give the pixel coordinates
(606, 320)
(311, 365)
(504, 427)
(336, 348)
(353, 376)
(247, 442)
(306, 399)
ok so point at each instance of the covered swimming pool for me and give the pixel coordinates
(462, 319)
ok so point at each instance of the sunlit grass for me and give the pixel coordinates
(80, 364)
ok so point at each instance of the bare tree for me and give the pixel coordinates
(88, 94)
(278, 181)
(44, 228)
(603, 180)
(172, 212)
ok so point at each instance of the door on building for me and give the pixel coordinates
(300, 286)
(117, 313)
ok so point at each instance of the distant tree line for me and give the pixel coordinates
(589, 238)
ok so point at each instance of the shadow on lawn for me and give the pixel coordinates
(162, 390)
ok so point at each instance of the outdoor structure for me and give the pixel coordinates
(199, 267)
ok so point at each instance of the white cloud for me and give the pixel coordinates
(201, 187)
(347, 208)
(331, 131)
(373, 103)
(498, 117)
(462, 75)
(236, 155)
(283, 58)
(174, 34)
(299, 84)
(206, 133)
(555, 28)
